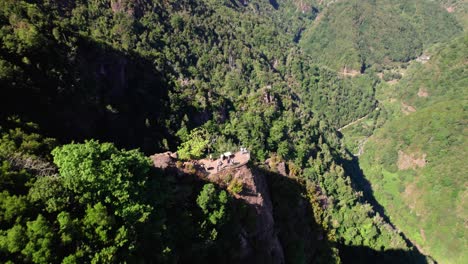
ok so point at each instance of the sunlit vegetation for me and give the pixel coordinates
(90, 88)
(357, 35)
(413, 162)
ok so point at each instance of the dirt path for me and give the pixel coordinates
(356, 121)
(361, 147)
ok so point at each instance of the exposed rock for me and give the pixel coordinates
(407, 109)
(275, 64)
(349, 72)
(186, 82)
(268, 98)
(282, 168)
(259, 243)
(163, 160)
(410, 161)
(423, 92)
(130, 7)
(423, 58)
(303, 7)
(276, 166)
(117, 6)
(264, 242)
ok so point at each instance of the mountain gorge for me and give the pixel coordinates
(414, 159)
(356, 35)
(92, 89)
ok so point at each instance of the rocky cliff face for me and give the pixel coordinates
(260, 243)
(258, 236)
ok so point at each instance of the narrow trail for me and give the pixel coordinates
(361, 147)
(363, 141)
(356, 121)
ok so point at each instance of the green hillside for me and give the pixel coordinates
(90, 90)
(459, 8)
(356, 35)
(415, 161)
(82, 82)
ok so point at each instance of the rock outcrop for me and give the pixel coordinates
(259, 241)
(163, 160)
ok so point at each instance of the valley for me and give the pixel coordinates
(203, 131)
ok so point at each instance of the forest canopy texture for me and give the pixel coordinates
(89, 89)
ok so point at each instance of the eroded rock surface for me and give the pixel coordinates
(259, 242)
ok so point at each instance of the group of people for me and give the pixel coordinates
(229, 156)
(230, 160)
(218, 166)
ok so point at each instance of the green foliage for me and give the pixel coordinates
(213, 204)
(340, 100)
(388, 76)
(235, 186)
(348, 220)
(356, 35)
(195, 144)
(23, 138)
(39, 246)
(417, 198)
(100, 172)
(14, 240)
(199, 75)
(397, 190)
(93, 210)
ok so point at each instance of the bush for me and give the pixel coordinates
(235, 186)
(389, 76)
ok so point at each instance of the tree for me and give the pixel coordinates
(40, 236)
(214, 206)
(111, 187)
(196, 144)
(100, 172)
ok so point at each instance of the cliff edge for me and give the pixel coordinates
(259, 241)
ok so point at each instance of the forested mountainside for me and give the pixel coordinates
(357, 35)
(459, 8)
(414, 162)
(196, 77)
(99, 68)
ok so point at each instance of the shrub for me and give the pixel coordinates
(235, 186)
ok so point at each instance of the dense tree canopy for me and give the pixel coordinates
(195, 77)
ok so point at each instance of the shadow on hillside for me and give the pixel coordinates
(274, 4)
(93, 92)
(184, 219)
(302, 238)
(365, 255)
(360, 183)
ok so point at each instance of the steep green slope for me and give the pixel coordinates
(355, 35)
(147, 74)
(459, 8)
(98, 67)
(415, 162)
(95, 203)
